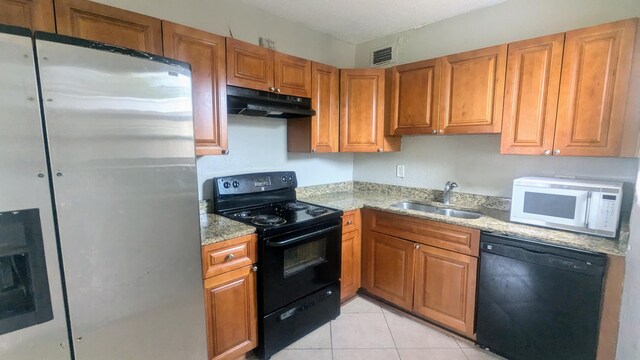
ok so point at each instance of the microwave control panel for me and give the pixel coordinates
(607, 211)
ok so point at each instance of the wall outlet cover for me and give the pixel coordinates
(400, 171)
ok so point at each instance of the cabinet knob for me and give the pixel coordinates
(277, 90)
(225, 152)
(379, 150)
(254, 268)
(350, 222)
(547, 152)
(556, 152)
(229, 257)
(417, 246)
(271, 88)
(440, 131)
(434, 131)
(314, 151)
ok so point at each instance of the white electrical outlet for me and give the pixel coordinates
(400, 171)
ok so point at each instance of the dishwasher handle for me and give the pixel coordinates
(542, 258)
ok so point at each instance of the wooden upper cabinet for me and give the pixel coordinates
(97, 22)
(593, 89)
(388, 271)
(415, 97)
(292, 75)
(36, 15)
(362, 120)
(445, 288)
(206, 54)
(231, 310)
(320, 134)
(249, 65)
(531, 95)
(472, 91)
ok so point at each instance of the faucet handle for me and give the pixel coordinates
(450, 185)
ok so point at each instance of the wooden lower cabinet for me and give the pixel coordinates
(350, 274)
(230, 297)
(389, 268)
(445, 288)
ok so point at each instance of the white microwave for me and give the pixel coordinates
(586, 206)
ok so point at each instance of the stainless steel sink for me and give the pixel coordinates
(411, 205)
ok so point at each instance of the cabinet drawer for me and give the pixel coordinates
(350, 221)
(451, 237)
(228, 255)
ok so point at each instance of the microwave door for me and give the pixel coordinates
(543, 206)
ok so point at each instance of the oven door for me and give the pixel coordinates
(298, 263)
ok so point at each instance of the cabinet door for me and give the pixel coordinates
(36, 15)
(351, 263)
(593, 89)
(292, 75)
(206, 54)
(97, 22)
(415, 98)
(531, 95)
(249, 65)
(231, 310)
(361, 110)
(472, 91)
(389, 268)
(445, 289)
(324, 100)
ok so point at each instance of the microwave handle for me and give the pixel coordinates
(588, 211)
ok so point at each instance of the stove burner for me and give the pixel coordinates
(268, 220)
(317, 211)
(296, 206)
(246, 214)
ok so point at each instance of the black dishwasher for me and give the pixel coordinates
(538, 301)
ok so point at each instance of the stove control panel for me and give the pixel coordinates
(254, 183)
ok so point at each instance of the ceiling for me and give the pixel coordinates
(357, 21)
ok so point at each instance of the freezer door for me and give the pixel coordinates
(27, 223)
(120, 135)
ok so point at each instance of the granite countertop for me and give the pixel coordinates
(352, 196)
(495, 219)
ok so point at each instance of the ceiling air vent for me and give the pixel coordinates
(382, 56)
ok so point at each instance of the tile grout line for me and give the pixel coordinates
(390, 332)
(331, 336)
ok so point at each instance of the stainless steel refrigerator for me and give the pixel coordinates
(99, 220)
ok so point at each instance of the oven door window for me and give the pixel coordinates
(305, 256)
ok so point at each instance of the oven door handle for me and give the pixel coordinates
(302, 238)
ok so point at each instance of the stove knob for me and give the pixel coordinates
(236, 183)
(290, 178)
(226, 184)
(284, 178)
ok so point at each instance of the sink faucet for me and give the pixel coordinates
(448, 188)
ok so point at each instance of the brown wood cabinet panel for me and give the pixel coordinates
(351, 221)
(531, 95)
(445, 289)
(388, 271)
(351, 265)
(206, 54)
(472, 91)
(362, 109)
(231, 310)
(292, 75)
(415, 97)
(36, 15)
(319, 135)
(228, 255)
(249, 65)
(446, 236)
(593, 89)
(97, 22)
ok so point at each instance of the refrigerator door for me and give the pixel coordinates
(24, 184)
(120, 135)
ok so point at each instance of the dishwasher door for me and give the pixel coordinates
(538, 301)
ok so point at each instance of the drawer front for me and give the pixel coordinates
(350, 221)
(445, 236)
(228, 255)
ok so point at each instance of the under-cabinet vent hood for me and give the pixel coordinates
(251, 102)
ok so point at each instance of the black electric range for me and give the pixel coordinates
(299, 250)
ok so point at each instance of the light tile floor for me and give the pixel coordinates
(369, 330)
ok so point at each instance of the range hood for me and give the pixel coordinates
(251, 102)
